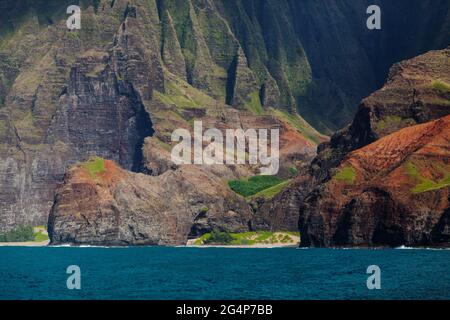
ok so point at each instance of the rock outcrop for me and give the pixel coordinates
(139, 69)
(129, 74)
(392, 192)
(101, 204)
(383, 180)
(414, 93)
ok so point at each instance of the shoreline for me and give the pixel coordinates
(255, 246)
(46, 244)
(25, 244)
(190, 245)
(263, 246)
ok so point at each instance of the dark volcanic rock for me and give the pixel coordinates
(78, 94)
(101, 115)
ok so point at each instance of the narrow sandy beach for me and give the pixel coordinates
(24, 244)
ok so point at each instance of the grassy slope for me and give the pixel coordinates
(346, 174)
(271, 192)
(441, 86)
(94, 166)
(254, 105)
(425, 184)
(251, 186)
(300, 124)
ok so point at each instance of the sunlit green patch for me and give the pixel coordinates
(441, 86)
(440, 101)
(94, 166)
(181, 95)
(251, 186)
(300, 124)
(249, 238)
(254, 104)
(25, 234)
(40, 237)
(426, 184)
(166, 146)
(346, 174)
(293, 171)
(40, 233)
(97, 70)
(73, 35)
(271, 192)
(388, 122)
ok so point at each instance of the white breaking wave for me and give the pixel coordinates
(419, 248)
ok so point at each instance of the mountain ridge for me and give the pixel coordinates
(137, 70)
(383, 180)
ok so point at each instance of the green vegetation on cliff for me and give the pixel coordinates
(181, 95)
(94, 166)
(271, 192)
(346, 174)
(441, 86)
(249, 238)
(3, 128)
(25, 234)
(251, 186)
(19, 234)
(300, 124)
(254, 104)
(388, 122)
(426, 184)
(40, 237)
(218, 237)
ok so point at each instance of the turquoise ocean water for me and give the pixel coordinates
(222, 273)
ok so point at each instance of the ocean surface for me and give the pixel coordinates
(222, 273)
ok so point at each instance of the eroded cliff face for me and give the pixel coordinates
(383, 180)
(411, 95)
(76, 95)
(139, 69)
(128, 75)
(281, 48)
(392, 192)
(349, 61)
(102, 204)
